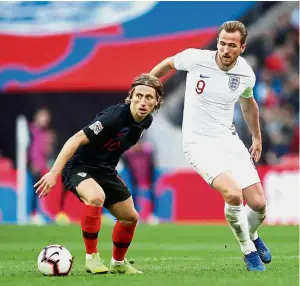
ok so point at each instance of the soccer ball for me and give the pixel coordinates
(55, 260)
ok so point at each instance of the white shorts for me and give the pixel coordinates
(212, 156)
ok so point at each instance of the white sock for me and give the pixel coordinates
(116, 262)
(237, 219)
(255, 220)
(89, 256)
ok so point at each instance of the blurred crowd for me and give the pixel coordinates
(274, 57)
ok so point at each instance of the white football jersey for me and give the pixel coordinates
(211, 93)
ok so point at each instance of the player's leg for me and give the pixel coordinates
(214, 173)
(234, 209)
(246, 175)
(255, 208)
(236, 216)
(93, 197)
(127, 218)
(90, 192)
(256, 213)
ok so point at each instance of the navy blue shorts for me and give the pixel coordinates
(113, 186)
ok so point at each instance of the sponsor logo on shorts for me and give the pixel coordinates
(83, 175)
(96, 127)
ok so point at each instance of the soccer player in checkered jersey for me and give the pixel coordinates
(88, 163)
(215, 81)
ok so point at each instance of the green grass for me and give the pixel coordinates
(168, 254)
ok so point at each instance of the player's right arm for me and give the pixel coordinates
(184, 61)
(163, 67)
(45, 184)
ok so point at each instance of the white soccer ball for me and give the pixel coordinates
(55, 260)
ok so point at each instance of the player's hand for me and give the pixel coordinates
(256, 149)
(45, 184)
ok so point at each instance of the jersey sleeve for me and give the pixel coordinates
(248, 92)
(185, 60)
(99, 124)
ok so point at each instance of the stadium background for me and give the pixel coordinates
(77, 58)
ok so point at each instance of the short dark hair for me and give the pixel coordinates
(232, 26)
(151, 81)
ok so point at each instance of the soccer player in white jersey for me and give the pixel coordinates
(216, 80)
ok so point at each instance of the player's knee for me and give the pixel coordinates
(134, 217)
(95, 199)
(258, 205)
(131, 218)
(234, 198)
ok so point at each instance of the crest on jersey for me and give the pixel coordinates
(234, 82)
(96, 127)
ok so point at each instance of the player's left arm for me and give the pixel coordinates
(250, 112)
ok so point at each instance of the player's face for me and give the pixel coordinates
(143, 101)
(229, 47)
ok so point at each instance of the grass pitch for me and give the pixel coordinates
(168, 254)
